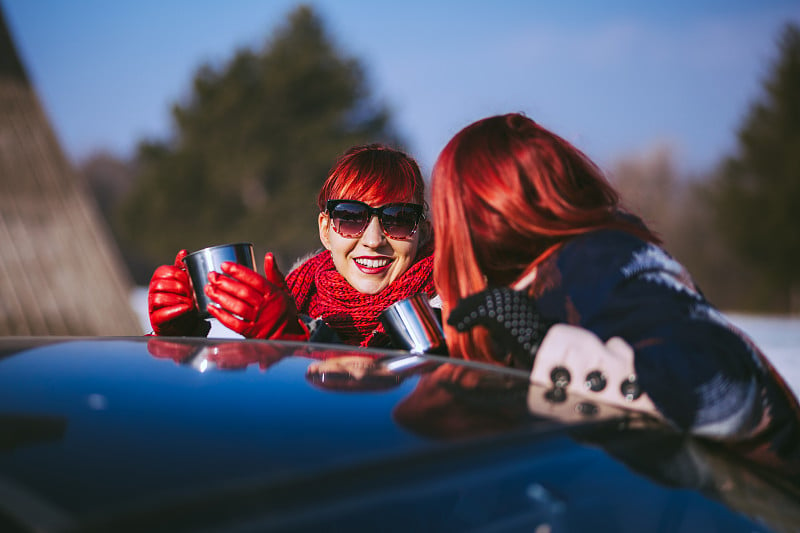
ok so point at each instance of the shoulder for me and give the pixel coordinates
(605, 242)
(604, 269)
(300, 278)
(621, 254)
(602, 254)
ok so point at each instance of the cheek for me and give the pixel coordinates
(407, 249)
(337, 244)
(339, 248)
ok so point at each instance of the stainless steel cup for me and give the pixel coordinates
(201, 262)
(413, 326)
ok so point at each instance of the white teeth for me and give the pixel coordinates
(372, 263)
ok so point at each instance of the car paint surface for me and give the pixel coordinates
(152, 434)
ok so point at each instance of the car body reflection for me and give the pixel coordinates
(167, 434)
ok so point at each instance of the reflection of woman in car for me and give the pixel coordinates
(351, 373)
(224, 355)
(378, 251)
(517, 207)
(452, 402)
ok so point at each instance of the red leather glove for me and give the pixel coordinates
(170, 302)
(240, 354)
(255, 306)
(176, 351)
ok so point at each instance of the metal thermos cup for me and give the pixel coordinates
(201, 262)
(413, 326)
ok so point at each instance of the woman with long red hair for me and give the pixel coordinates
(540, 267)
(378, 250)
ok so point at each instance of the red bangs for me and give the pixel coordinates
(376, 175)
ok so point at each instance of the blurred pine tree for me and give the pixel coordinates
(252, 146)
(756, 196)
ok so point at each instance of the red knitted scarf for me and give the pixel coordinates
(320, 291)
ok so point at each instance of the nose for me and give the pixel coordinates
(373, 236)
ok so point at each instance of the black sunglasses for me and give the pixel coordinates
(350, 218)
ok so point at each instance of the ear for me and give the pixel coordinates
(324, 222)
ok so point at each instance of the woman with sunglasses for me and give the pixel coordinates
(378, 250)
(539, 267)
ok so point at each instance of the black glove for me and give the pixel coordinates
(511, 318)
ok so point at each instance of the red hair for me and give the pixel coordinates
(374, 174)
(506, 192)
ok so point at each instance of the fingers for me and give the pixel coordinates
(236, 299)
(469, 312)
(466, 322)
(170, 272)
(221, 284)
(169, 286)
(492, 306)
(253, 305)
(170, 301)
(272, 273)
(172, 350)
(157, 300)
(242, 291)
(166, 314)
(228, 320)
(582, 353)
(179, 259)
(247, 276)
(175, 272)
(472, 302)
(234, 355)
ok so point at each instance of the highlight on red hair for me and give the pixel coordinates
(505, 191)
(375, 174)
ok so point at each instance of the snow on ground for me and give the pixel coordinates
(779, 339)
(777, 336)
(138, 301)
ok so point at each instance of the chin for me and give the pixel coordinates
(368, 288)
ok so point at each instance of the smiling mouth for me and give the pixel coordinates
(372, 264)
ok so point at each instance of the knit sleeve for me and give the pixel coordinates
(700, 371)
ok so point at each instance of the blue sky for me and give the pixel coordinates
(617, 78)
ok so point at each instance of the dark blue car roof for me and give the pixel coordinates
(147, 434)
